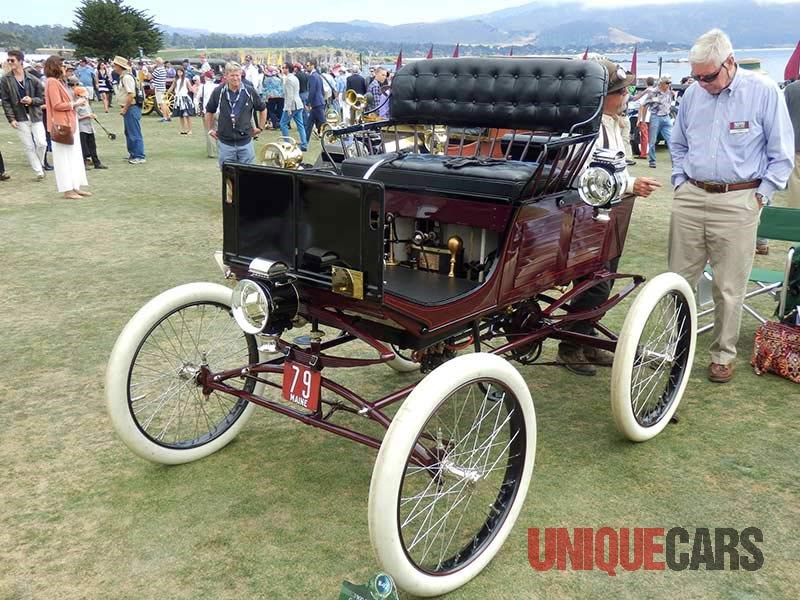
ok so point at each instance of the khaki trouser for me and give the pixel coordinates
(720, 228)
(791, 197)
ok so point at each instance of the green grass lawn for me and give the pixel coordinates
(281, 512)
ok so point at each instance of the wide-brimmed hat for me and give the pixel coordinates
(618, 77)
(121, 61)
(79, 90)
(665, 79)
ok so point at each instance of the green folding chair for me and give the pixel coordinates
(777, 223)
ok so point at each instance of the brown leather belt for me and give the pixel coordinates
(722, 188)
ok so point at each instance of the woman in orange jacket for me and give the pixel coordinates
(67, 158)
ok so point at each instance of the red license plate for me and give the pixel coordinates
(301, 385)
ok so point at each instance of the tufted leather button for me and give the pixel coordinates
(516, 75)
(475, 75)
(474, 101)
(435, 74)
(416, 99)
(495, 75)
(416, 75)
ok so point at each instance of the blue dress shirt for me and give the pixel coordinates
(741, 134)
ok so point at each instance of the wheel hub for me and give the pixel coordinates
(188, 371)
(471, 476)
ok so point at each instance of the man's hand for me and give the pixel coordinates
(762, 201)
(213, 134)
(14, 124)
(27, 100)
(644, 186)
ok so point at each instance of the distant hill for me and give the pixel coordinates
(541, 26)
(571, 24)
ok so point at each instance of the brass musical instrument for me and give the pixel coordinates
(284, 154)
(357, 103)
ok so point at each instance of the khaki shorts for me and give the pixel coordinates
(159, 98)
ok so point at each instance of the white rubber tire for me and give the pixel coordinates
(622, 372)
(120, 364)
(388, 473)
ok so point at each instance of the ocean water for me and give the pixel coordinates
(773, 61)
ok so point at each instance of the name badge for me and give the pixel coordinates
(736, 127)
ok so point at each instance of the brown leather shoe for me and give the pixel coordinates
(598, 356)
(573, 359)
(720, 373)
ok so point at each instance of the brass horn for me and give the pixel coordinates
(284, 154)
(357, 104)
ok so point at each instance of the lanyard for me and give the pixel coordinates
(234, 104)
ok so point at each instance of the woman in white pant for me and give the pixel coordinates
(67, 158)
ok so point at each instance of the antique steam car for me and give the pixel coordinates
(448, 240)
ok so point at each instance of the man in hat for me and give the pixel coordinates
(250, 71)
(130, 109)
(236, 105)
(732, 148)
(659, 102)
(577, 358)
(22, 96)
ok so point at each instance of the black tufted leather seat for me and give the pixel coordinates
(497, 180)
(542, 94)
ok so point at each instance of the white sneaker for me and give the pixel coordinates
(137, 161)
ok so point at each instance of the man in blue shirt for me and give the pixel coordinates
(88, 78)
(732, 148)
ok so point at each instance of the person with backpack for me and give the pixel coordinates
(131, 96)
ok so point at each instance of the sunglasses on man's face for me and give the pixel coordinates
(712, 77)
(11, 60)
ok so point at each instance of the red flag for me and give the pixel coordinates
(430, 52)
(511, 51)
(792, 70)
(633, 63)
(455, 52)
(586, 53)
(399, 61)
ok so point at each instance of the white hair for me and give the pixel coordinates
(712, 47)
(232, 66)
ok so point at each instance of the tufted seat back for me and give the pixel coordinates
(541, 94)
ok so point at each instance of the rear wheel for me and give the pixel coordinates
(148, 104)
(471, 424)
(654, 357)
(154, 399)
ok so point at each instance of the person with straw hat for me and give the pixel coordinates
(130, 109)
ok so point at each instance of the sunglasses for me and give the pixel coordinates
(712, 77)
(11, 60)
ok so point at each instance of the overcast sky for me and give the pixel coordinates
(250, 17)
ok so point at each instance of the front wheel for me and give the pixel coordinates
(154, 398)
(452, 473)
(654, 357)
